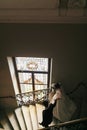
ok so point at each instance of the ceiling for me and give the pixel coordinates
(43, 11)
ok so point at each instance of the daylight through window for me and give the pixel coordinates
(32, 74)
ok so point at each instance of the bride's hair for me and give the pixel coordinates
(57, 86)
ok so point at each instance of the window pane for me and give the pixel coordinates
(40, 79)
(32, 64)
(39, 87)
(26, 88)
(25, 78)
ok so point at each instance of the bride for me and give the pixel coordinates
(48, 112)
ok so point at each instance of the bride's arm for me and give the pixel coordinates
(57, 96)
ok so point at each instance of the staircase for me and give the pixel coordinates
(22, 118)
(28, 118)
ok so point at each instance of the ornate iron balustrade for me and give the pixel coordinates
(32, 97)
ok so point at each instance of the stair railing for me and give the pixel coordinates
(77, 124)
(27, 98)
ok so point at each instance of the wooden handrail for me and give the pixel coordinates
(76, 121)
(34, 91)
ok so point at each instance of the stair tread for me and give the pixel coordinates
(20, 118)
(26, 114)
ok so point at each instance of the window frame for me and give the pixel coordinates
(33, 72)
